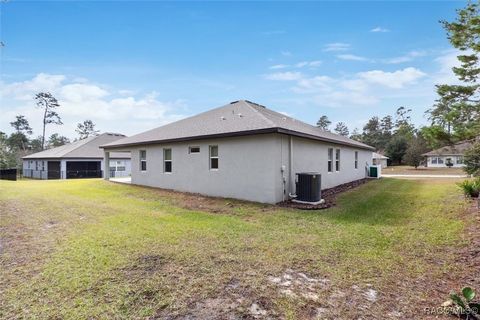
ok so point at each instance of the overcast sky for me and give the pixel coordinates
(133, 66)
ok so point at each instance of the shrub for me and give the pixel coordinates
(470, 187)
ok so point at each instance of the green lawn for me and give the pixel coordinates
(92, 249)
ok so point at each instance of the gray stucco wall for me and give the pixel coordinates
(250, 167)
(246, 168)
(312, 156)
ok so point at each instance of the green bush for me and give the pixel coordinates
(471, 187)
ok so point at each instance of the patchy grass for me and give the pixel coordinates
(423, 170)
(82, 249)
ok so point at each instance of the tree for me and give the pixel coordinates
(356, 135)
(403, 125)
(471, 160)
(324, 123)
(342, 129)
(57, 140)
(396, 148)
(372, 133)
(47, 102)
(415, 148)
(21, 125)
(36, 144)
(86, 129)
(22, 128)
(7, 157)
(456, 113)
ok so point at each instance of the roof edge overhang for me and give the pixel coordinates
(69, 158)
(237, 134)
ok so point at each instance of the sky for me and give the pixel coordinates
(133, 66)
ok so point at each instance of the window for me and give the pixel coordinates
(460, 160)
(193, 149)
(330, 159)
(143, 160)
(356, 159)
(337, 160)
(167, 160)
(440, 160)
(437, 160)
(434, 160)
(120, 168)
(213, 157)
(36, 165)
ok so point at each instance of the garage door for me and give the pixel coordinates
(84, 169)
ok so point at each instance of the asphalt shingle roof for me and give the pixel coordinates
(234, 119)
(458, 148)
(85, 148)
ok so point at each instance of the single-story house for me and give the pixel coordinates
(452, 154)
(241, 150)
(79, 159)
(379, 159)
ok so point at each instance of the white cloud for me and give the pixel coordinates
(351, 57)
(311, 64)
(284, 76)
(396, 79)
(278, 66)
(446, 61)
(286, 53)
(25, 90)
(361, 89)
(406, 58)
(113, 111)
(379, 29)
(336, 46)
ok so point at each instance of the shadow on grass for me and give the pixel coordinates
(374, 203)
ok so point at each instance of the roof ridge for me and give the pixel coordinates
(250, 104)
(81, 144)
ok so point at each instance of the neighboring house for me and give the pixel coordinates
(80, 159)
(449, 154)
(379, 159)
(241, 150)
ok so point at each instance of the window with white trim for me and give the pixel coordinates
(167, 160)
(143, 160)
(194, 149)
(337, 160)
(330, 160)
(356, 159)
(459, 159)
(213, 152)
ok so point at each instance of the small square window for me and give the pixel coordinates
(193, 149)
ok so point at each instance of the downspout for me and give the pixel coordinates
(290, 167)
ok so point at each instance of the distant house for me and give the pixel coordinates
(379, 159)
(80, 159)
(241, 150)
(452, 154)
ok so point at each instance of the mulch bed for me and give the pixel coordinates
(329, 195)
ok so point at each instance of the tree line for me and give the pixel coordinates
(22, 141)
(455, 115)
